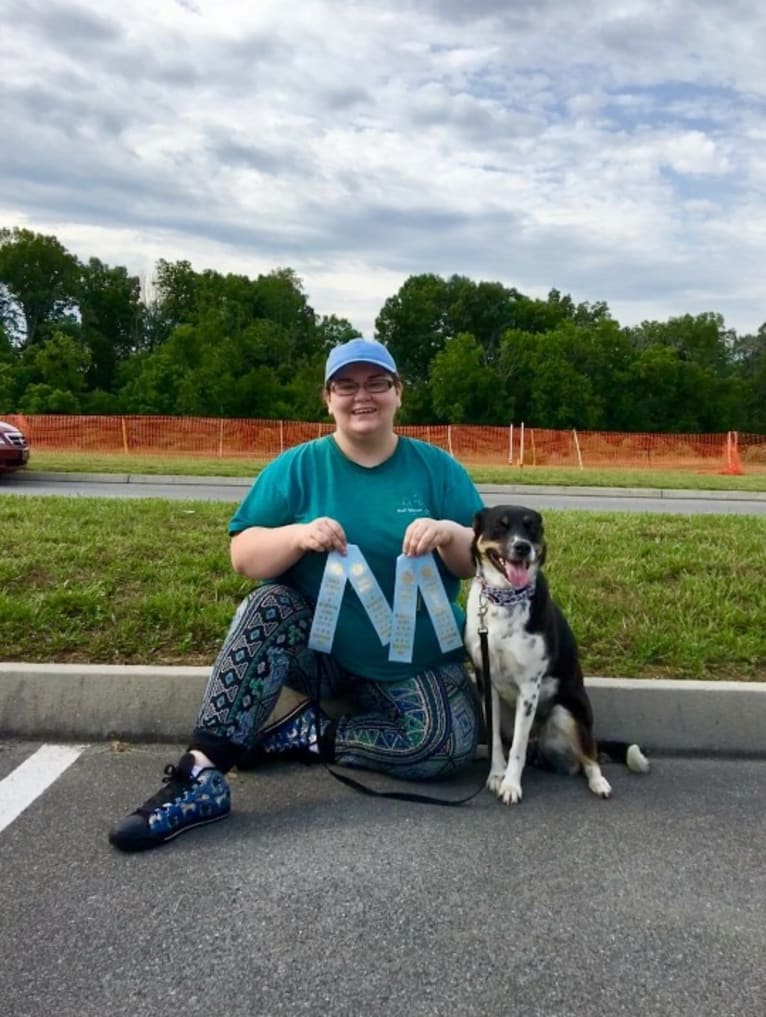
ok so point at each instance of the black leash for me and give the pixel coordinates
(402, 796)
(485, 677)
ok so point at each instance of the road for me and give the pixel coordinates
(312, 899)
(188, 488)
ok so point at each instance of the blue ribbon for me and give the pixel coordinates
(340, 569)
(413, 575)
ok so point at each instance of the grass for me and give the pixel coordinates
(89, 462)
(148, 581)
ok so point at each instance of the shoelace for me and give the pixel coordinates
(175, 781)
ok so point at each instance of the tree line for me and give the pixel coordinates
(81, 337)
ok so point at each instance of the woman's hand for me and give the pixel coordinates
(450, 539)
(424, 535)
(322, 534)
(263, 552)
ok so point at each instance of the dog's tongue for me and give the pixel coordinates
(517, 574)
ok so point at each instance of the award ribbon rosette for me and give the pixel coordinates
(413, 575)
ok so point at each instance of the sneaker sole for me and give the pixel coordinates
(152, 842)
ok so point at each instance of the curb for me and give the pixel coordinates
(153, 704)
(133, 478)
(669, 493)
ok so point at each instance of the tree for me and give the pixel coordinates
(40, 398)
(702, 388)
(331, 330)
(149, 382)
(463, 388)
(517, 360)
(700, 339)
(655, 389)
(7, 388)
(749, 353)
(60, 362)
(561, 394)
(482, 309)
(279, 296)
(9, 316)
(175, 286)
(40, 276)
(413, 325)
(111, 319)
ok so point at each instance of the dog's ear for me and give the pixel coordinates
(478, 520)
(543, 544)
(537, 521)
(478, 523)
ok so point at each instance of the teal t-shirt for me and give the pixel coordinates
(374, 505)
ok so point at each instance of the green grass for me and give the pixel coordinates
(190, 466)
(148, 581)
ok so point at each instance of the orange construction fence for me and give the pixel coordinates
(517, 445)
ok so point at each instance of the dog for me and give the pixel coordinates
(534, 661)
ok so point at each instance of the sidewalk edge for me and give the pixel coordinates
(147, 703)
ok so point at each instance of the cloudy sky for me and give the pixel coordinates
(613, 150)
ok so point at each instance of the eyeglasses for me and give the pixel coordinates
(375, 386)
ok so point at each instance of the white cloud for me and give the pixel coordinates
(614, 152)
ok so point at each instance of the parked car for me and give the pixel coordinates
(14, 450)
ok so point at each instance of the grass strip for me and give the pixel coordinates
(144, 581)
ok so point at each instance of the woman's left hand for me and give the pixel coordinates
(424, 535)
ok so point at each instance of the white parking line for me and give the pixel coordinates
(28, 781)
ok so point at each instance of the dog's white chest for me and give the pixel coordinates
(518, 659)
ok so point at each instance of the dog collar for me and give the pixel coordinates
(505, 596)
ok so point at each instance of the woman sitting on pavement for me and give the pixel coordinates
(389, 495)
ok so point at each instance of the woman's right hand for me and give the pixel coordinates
(322, 534)
(264, 552)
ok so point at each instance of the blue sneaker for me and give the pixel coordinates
(183, 803)
(298, 735)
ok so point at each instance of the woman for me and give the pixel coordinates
(362, 487)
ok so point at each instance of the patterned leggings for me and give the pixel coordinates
(420, 727)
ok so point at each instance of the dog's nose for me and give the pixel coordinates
(522, 548)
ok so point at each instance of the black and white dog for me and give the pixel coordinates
(533, 658)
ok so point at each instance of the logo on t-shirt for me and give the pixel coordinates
(413, 506)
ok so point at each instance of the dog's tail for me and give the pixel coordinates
(624, 752)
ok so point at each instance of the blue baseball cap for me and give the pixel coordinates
(358, 351)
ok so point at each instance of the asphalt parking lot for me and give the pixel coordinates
(312, 899)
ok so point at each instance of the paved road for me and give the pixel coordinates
(733, 503)
(315, 900)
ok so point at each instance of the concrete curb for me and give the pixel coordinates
(147, 703)
(624, 492)
(132, 478)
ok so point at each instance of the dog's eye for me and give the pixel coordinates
(533, 527)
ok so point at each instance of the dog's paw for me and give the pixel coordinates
(509, 792)
(600, 786)
(494, 781)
